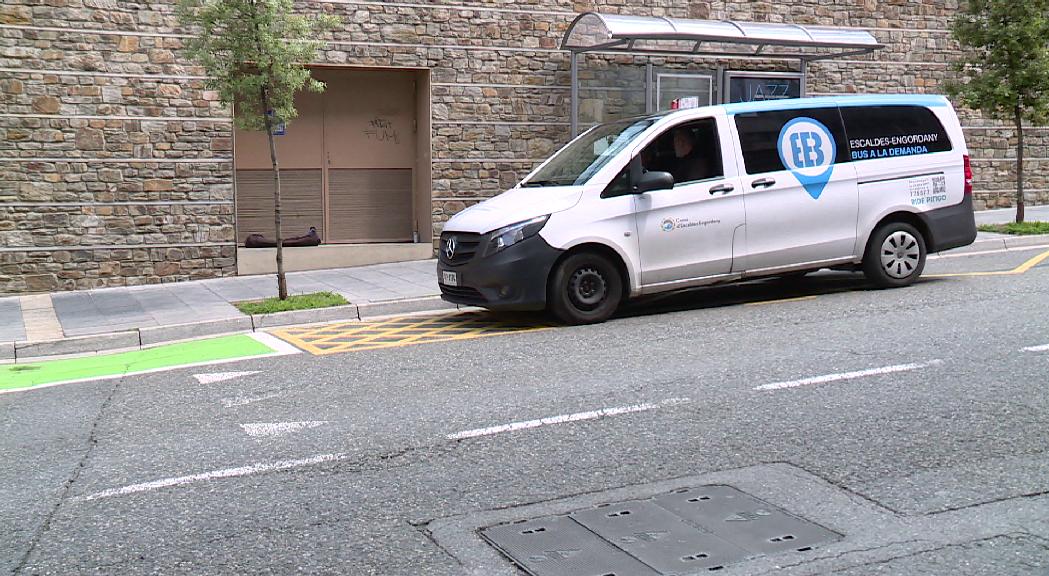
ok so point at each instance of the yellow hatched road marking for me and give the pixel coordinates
(1021, 269)
(401, 331)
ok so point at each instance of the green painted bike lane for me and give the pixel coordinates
(15, 377)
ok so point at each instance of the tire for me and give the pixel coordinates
(895, 255)
(585, 288)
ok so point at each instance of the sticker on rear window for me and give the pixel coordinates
(808, 150)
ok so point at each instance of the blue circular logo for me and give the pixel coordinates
(667, 225)
(807, 148)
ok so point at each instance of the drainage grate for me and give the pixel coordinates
(558, 546)
(744, 520)
(659, 538)
(688, 531)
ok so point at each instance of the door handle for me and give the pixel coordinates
(763, 183)
(722, 189)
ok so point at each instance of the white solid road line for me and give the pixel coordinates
(215, 474)
(216, 377)
(267, 429)
(848, 375)
(1043, 348)
(578, 416)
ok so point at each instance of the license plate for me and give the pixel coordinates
(450, 278)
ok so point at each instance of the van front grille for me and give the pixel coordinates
(462, 293)
(466, 246)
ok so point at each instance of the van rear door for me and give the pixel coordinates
(799, 186)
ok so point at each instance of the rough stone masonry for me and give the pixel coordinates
(116, 161)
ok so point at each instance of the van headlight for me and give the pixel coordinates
(514, 233)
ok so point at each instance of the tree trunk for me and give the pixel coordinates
(1019, 166)
(282, 281)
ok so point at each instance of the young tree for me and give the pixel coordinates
(255, 54)
(1005, 70)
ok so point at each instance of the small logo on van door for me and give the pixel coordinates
(667, 225)
(807, 148)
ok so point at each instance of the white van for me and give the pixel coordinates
(719, 194)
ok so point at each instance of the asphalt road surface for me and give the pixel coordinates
(912, 422)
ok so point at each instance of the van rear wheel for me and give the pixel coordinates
(895, 255)
(586, 288)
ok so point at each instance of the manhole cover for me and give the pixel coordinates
(687, 531)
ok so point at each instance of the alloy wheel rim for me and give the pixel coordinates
(900, 254)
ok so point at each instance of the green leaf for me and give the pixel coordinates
(255, 50)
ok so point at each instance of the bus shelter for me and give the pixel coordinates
(631, 90)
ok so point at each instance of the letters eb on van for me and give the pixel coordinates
(719, 194)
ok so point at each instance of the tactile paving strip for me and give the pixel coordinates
(688, 531)
(402, 331)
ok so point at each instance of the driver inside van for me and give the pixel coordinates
(677, 152)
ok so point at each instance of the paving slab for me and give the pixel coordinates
(11, 326)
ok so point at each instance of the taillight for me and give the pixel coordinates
(968, 177)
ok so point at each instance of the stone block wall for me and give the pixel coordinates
(116, 160)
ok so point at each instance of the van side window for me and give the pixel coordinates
(690, 152)
(759, 136)
(893, 131)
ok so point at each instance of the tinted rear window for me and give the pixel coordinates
(893, 131)
(759, 134)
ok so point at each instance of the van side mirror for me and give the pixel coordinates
(651, 181)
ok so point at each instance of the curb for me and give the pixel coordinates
(77, 345)
(158, 334)
(1003, 243)
(407, 306)
(139, 338)
(333, 314)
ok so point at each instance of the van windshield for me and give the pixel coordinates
(576, 163)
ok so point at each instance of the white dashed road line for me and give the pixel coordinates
(848, 375)
(216, 377)
(272, 429)
(214, 475)
(577, 417)
(1043, 348)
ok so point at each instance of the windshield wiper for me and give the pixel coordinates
(540, 183)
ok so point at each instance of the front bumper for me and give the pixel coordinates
(513, 279)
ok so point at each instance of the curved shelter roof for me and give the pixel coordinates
(592, 31)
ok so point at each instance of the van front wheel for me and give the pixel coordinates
(895, 255)
(585, 289)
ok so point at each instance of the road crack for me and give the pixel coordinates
(92, 441)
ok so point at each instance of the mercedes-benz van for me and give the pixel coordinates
(719, 194)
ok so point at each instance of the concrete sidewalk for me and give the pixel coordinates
(114, 318)
(108, 318)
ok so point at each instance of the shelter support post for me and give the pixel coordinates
(574, 122)
(804, 77)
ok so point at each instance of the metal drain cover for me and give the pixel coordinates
(688, 531)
